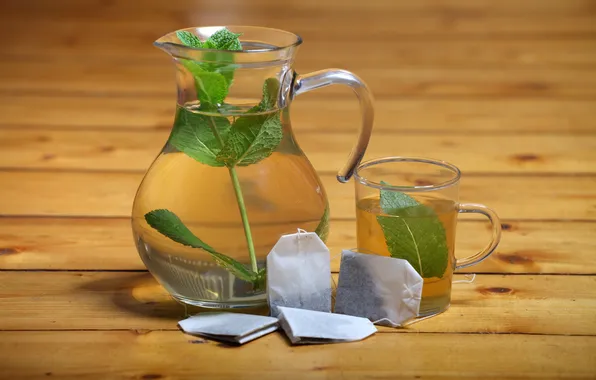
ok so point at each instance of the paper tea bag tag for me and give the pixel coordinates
(307, 326)
(385, 290)
(229, 327)
(298, 273)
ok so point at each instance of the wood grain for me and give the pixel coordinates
(163, 354)
(107, 244)
(469, 116)
(133, 151)
(471, 53)
(111, 194)
(100, 78)
(526, 304)
(504, 89)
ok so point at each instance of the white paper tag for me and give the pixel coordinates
(298, 273)
(229, 327)
(315, 327)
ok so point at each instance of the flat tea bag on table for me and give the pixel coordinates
(298, 273)
(229, 327)
(383, 289)
(307, 326)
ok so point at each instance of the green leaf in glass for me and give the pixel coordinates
(413, 232)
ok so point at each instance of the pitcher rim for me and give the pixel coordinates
(297, 39)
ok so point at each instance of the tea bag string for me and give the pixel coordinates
(469, 278)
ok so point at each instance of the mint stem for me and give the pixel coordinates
(241, 205)
(244, 216)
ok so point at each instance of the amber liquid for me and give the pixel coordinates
(282, 193)
(436, 292)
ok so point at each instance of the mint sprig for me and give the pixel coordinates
(214, 141)
(168, 224)
(413, 232)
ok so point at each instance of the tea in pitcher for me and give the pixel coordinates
(419, 229)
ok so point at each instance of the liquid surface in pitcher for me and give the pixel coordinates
(436, 291)
(281, 193)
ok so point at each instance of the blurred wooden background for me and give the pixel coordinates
(506, 90)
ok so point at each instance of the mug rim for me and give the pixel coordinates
(416, 188)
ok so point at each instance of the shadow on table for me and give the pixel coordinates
(141, 294)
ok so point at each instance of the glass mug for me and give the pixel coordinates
(407, 208)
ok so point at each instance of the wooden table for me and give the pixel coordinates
(504, 89)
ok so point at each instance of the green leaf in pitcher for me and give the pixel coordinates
(199, 136)
(189, 39)
(413, 232)
(323, 227)
(168, 224)
(223, 39)
(251, 139)
(215, 73)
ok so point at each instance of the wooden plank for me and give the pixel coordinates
(130, 79)
(467, 116)
(358, 26)
(406, 8)
(111, 194)
(164, 354)
(134, 151)
(476, 53)
(555, 305)
(107, 244)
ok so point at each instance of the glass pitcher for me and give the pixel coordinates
(231, 179)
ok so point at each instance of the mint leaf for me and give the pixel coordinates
(198, 136)
(323, 228)
(393, 201)
(270, 91)
(251, 139)
(168, 224)
(413, 232)
(215, 74)
(189, 39)
(223, 39)
(211, 87)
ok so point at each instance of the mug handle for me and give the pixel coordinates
(324, 78)
(496, 228)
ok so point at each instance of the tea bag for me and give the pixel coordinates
(307, 326)
(383, 289)
(229, 327)
(298, 273)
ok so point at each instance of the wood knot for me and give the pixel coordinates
(48, 156)
(533, 86)
(515, 259)
(496, 290)
(150, 376)
(527, 157)
(107, 148)
(508, 227)
(10, 250)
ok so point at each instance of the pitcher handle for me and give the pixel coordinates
(324, 78)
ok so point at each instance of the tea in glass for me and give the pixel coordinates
(407, 209)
